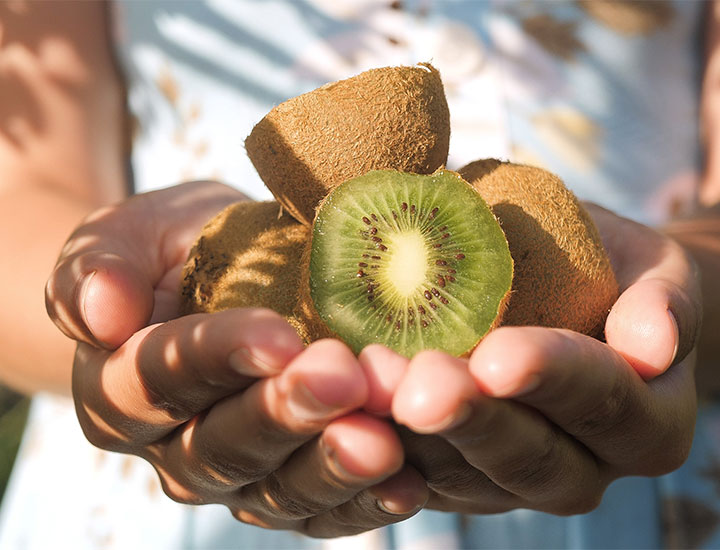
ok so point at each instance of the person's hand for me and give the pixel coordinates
(545, 418)
(227, 407)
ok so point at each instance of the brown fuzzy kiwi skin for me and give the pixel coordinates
(391, 117)
(563, 277)
(246, 256)
(305, 311)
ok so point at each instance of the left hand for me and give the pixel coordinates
(228, 407)
(546, 418)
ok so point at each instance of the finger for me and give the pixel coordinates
(384, 370)
(99, 298)
(454, 484)
(247, 436)
(166, 374)
(513, 445)
(394, 500)
(328, 471)
(644, 326)
(101, 290)
(656, 320)
(593, 394)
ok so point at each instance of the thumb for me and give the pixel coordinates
(102, 289)
(100, 298)
(653, 325)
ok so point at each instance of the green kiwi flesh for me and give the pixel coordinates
(409, 261)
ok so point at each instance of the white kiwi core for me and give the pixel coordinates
(407, 265)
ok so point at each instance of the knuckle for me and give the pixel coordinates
(666, 459)
(100, 434)
(175, 353)
(534, 473)
(579, 496)
(606, 414)
(675, 458)
(216, 460)
(334, 524)
(235, 471)
(182, 495)
(578, 503)
(454, 476)
(535, 476)
(281, 424)
(284, 504)
(582, 494)
(100, 438)
(175, 408)
(177, 491)
(245, 516)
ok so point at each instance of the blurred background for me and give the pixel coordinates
(13, 413)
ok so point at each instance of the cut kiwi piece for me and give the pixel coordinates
(386, 118)
(248, 255)
(563, 276)
(409, 261)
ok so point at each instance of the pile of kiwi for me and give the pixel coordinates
(371, 240)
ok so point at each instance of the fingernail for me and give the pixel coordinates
(395, 508)
(83, 295)
(676, 331)
(453, 420)
(247, 363)
(500, 381)
(304, 404)
(336, 466)
(529, 384)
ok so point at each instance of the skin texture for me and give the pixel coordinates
(123, 324)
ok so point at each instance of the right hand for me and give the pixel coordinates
(227, 407)
(546, 418)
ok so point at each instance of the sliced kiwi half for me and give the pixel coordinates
(409, 261)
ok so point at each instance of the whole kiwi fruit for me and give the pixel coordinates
(248, 255)
(386, 118)
(563, 276)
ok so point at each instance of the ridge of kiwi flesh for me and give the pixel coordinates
(409, 261)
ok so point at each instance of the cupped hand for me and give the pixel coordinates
(546, 418)
(228, 407)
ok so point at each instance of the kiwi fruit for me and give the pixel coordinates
(386, 118)
(563, 277)
(406, 260)
(246, 256)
